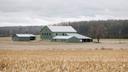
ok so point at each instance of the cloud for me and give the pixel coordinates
(45, 12)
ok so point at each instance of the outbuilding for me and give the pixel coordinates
(23, 37)
(81, 38)
(72, 37)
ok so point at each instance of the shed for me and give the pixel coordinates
(61, 38)
(81, 38)
(23, 37)
(74, 37)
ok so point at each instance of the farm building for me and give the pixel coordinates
(23, 37)
(63, 33)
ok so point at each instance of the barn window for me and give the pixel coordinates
(45, 33)
(48, 33)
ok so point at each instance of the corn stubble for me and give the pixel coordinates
(60, 62)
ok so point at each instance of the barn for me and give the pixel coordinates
(63, 34)
(23, 37)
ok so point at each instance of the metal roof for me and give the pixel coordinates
(70, 35)
(25, 35)
(79, 36)
(62, 29)
(62, 37)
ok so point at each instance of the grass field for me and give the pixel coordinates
(111, 55)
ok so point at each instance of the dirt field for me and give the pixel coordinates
(111, 55)
(7, 43)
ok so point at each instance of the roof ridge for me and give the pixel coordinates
(61, 28)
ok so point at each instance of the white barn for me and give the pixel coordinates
(63, 33)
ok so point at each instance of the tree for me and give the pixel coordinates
(97, 30)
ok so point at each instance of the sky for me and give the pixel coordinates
(46, 12)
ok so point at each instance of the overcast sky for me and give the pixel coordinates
(45, 12)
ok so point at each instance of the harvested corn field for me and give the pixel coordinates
(64, 61)
(45, 56)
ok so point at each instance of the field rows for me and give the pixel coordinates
(64, 61)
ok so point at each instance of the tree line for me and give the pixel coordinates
(8, 31)
(101, 29)
(95, 29)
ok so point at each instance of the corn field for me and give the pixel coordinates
(64, 61)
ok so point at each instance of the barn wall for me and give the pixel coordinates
(73, 39)
(22, 38)
(46, 34)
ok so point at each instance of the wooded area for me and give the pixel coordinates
(94, 29)
(101, 29)
(8, 31)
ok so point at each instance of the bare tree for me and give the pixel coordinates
(97, 31)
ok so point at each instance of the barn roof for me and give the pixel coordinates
(62, 37)
(62, 29)
(79, 36)
(70, 35)
(25, 35)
